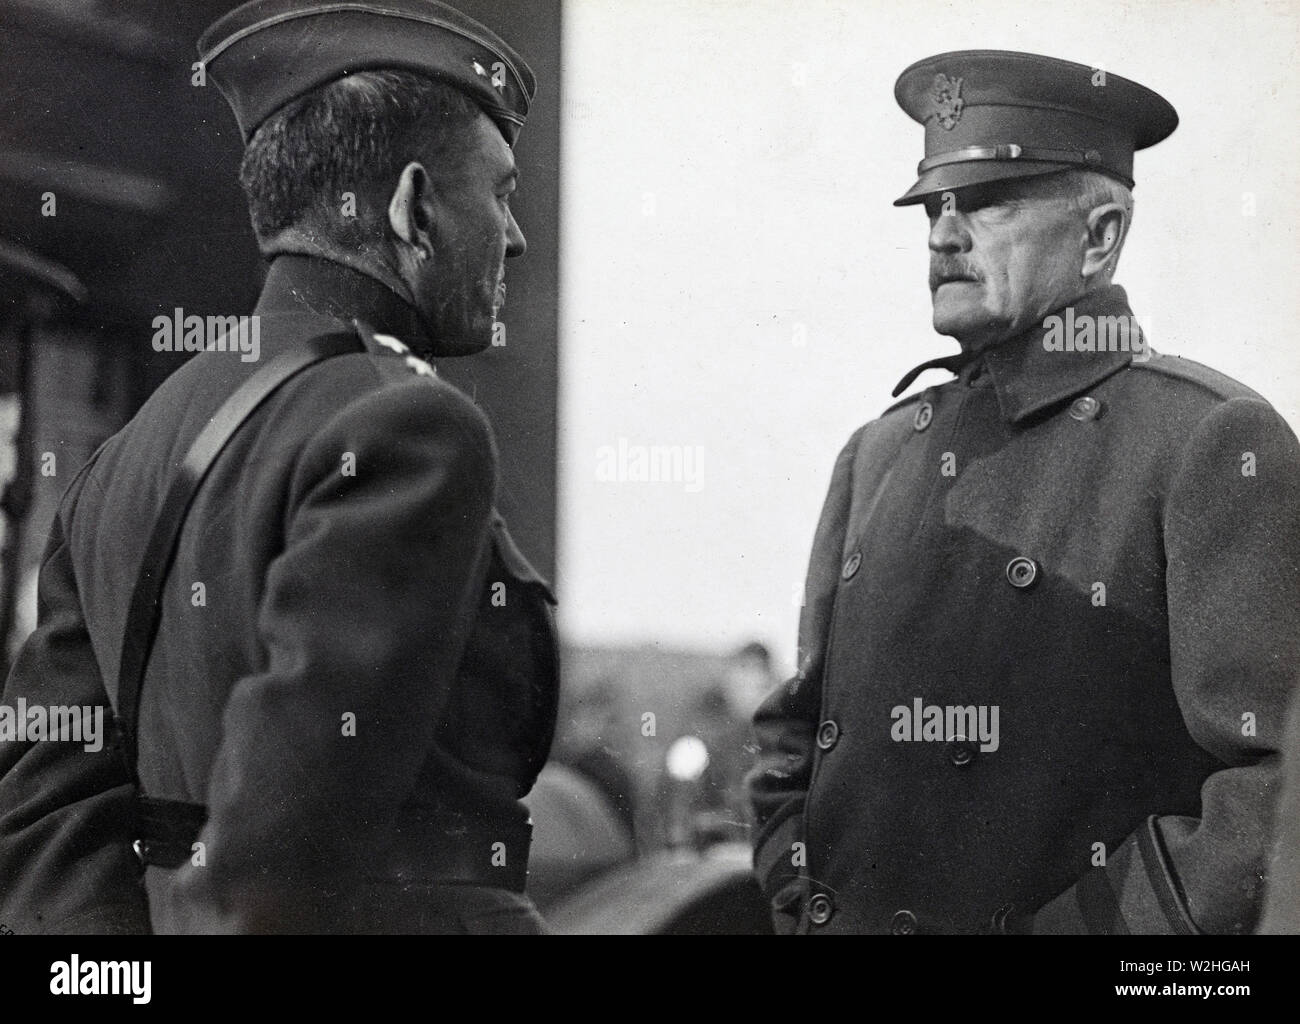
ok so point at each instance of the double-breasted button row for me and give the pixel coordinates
(1021, 571)
(1083, 409)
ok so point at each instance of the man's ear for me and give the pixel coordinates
(1107, 225)
(411, 210)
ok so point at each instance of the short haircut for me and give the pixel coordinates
(354, 135)
(1092, 189)
(1085, 190)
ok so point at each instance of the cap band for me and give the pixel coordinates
(1011, 151)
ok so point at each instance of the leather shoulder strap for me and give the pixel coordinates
(143, 613)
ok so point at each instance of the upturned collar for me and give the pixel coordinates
(1072, 349)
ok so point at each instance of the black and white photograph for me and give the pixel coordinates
(651, 467)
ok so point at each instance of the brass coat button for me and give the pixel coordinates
(1085, 408)
(820, 909)
(828, 734)
(903, 923)
(961, 752)
(852, 565)
(1021, 572)
(924, 414)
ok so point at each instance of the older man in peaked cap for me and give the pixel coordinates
(1053, 608)
(332, 673)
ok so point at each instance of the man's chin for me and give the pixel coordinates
(463, 339)
(963, 316)
(958, 324)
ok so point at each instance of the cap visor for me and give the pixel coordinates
(951, 177)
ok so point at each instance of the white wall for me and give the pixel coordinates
(728, 172)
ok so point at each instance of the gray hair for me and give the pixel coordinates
(1093, 189)
(1085, 190)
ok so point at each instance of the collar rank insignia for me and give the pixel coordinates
(421, 367)
(494, 76)
(948, 103)
(388, 341)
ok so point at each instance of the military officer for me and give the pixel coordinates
(1053, 606)
(338, 735)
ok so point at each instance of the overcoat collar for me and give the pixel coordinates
(1031, 372)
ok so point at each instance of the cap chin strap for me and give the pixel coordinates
(1010, 151)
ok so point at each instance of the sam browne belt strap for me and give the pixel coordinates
(167, 829)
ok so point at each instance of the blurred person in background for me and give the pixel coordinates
(701, 791)
(587, 740)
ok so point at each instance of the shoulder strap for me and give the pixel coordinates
(143, 612)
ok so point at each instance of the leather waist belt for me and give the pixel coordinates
(455, 854)
(477, 854)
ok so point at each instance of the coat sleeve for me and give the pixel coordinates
(1232, 547)
(364, 618)
(1282, 906)
(786, 723)
(66, 808)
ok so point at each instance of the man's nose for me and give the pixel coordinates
(948, 232)
(516, 244)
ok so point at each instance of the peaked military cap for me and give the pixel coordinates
(995, 114)
(267, 53)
